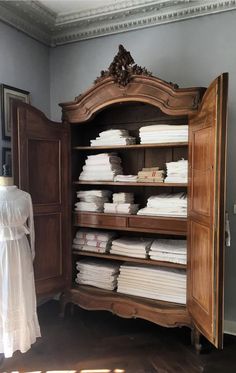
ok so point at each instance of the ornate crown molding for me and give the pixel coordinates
(30, 17)
(54, 29)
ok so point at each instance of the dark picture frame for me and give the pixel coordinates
(6, 157)
(8, 94)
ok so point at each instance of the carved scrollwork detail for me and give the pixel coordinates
(123, 68)
(123, 310)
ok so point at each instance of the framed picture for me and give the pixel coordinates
(6, 157)
(8, 94)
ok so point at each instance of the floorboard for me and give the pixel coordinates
(92, 341)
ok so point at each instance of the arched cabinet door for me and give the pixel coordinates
(206, 215)
(40, 167)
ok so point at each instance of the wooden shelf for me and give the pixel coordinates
(130, 259)
(133, 223)
(162, 313)
(137, 146)
(113, 183)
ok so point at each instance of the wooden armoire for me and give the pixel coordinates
(48, 158)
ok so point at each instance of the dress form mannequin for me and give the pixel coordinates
(19, 326)
(6, 180)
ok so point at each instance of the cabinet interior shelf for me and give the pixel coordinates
(113, 183)
(130, 259)
(133, 223)
(136, 146)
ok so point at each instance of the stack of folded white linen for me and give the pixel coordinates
(122, 204)
(151, 174)
(177, 172)
(92, 200)
(126, 178)
(101, 167)
(123, 197)
(169, 250)
(174, 205)
(95, 272)
(131, 246)
(163, 133)
(121, 208)
(153, 282)
(93, 240)
(113, 137)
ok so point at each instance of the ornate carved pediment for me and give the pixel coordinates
(123, 68)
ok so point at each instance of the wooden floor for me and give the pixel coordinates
(98, 342)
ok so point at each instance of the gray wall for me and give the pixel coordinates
(190, 53)
(24, 64)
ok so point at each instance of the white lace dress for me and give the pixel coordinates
(19, 326)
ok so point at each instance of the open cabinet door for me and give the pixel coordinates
(40, 167)
(206, 214)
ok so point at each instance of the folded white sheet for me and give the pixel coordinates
(133, 243)
(90, 207)
(169, 246)
(153, 282)
(99, 273)
(164, 128)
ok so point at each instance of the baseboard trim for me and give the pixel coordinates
(230, 327)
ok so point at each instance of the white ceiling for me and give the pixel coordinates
(70, 6)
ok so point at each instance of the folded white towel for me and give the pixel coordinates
(95, 193)
(123, 197)
(120, 208)
(126, 178)
(113, 137)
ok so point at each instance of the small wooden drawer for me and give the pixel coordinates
(173, 225)
(99, 220)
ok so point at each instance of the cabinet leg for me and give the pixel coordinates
(195, 340)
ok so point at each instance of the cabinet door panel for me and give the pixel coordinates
(48, 263)
(40, 167)
(43, 168)
(206, 211)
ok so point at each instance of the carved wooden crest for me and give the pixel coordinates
(122, 68)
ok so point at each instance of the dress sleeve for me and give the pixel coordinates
(31, 228)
